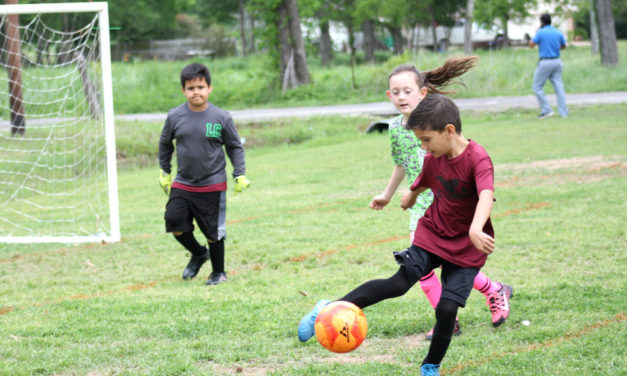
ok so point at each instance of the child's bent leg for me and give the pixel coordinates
(199, 253)
(216, 252)
(432, 288)
(364, 295)
(376, 290)
(485, 285)
(190, 243)
(445, 314)
(497, 297)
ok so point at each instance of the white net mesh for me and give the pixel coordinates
(53, 166)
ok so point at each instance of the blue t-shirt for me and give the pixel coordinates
(549, 41)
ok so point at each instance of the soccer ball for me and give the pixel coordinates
(341, 327)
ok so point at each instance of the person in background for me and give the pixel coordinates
(550, 42)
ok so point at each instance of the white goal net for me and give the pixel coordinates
(58, 179)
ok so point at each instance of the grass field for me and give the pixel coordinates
(303, 231)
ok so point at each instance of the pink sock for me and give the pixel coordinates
(485, 285)
(432, 288)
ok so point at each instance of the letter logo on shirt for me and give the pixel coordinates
(214, 130)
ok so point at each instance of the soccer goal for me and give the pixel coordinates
(58, 179)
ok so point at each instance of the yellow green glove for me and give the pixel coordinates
(165, 181)
(241, 183)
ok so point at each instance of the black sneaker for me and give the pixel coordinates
(194, 265)
(215, 278)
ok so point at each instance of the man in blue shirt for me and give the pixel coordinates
(550, 41)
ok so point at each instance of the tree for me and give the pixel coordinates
(147, 19)
(395, 14)
(607, 32)
(367, 13)
(470, 8)
(594, 31)
(242, 25)
(322, 12)
(369, 40)
(283, 39)
(488, 11)
(296, 41)
(326, 44)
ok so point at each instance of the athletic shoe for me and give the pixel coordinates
(499, 304)
(457, 331)
(306, 327)
(430, 369)
(546, 115)
(215, 278)
(194, 265)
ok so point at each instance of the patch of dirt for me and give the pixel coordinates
(371, 350)
(593, 163)
(379, 350)
(572, 170)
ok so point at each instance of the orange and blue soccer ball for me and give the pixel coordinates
(341, 327)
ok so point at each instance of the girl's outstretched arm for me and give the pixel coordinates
(379, 201)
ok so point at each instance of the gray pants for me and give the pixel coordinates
(550, 69)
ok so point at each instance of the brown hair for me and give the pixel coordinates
(440, 77)
(434, 113)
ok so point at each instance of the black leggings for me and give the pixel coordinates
(376, 290)
(397, 285)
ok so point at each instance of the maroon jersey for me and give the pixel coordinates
(456, 184)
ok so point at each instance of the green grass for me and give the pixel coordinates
(240, 83)
(303, 231)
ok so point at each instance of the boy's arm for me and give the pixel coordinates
(409, 197)
(234, 148)
(166, 148)
(482, 241)
(379, 201)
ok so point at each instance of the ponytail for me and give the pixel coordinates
(443, 76)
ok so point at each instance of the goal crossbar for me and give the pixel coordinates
(53, 8)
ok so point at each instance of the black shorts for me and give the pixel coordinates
(457, 282)
(207, 208)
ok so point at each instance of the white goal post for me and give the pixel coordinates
(58, 176)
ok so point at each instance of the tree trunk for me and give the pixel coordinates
(594, 31)
(300, 58)
(242, 26)
(470, 8)
(253, 48)
(283, 39)
(351, 46)
(397, 38)
(607, 33)
(505, 20)
(433, 26)
(326, 44)
(368, 40)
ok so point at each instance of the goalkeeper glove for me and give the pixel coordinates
(241, 183)
(165, 181)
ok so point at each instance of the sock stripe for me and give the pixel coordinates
(427, 276)
(485, 287)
